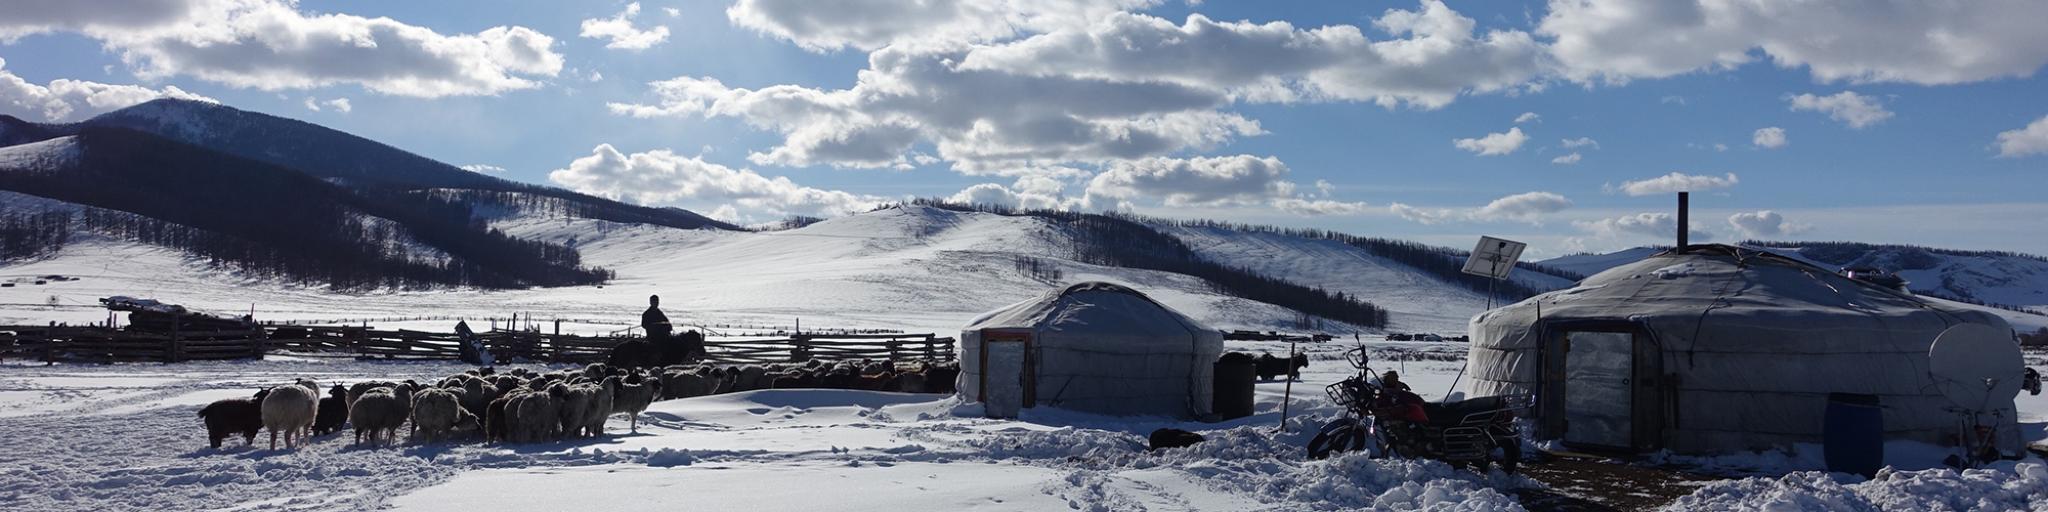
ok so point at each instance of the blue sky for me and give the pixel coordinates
(1341, 128)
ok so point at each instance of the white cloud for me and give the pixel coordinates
(1527, 117)
(271, 45)
(2031, 140)
(1720, 147)
(1770, 137)
(1857, 110)
(341, 105)
(1436, 55)
(1677, 182)
(1527, 207)
(1494, 144)
(65, 99)
(873, 24)
(1580, 142)
(1641, 225)
(1572, 158)
(484, 169)
(1763, 223)
(672, 12)
(1199, 181)
(1320, 207)
(663, 177)
(1672, 100)
(620, 30)
(981, 121)
(1927, 43)
(1031, 192)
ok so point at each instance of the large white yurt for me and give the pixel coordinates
(1715, 348)
(1094, 347)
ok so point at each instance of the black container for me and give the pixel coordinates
(1235, 374)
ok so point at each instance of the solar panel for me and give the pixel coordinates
(1494, 257)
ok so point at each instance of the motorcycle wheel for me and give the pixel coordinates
(1343, 435)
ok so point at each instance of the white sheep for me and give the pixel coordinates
(379, 412)
(435, 411)
(632, 395)
(290, 410)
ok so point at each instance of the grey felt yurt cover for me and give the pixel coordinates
(1102, 348)
(1733, 349)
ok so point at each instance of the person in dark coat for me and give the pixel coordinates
(654, 322)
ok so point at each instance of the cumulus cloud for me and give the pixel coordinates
(1857, 110)
(1436, 55)
(341, 105)
(1763, 223)
(2030, 140)
(1494, 144)
(1650, 225)
(1927, 43)
(1036, 192)
(620, 30)
(1200, 181)
(271, 45)
(1676, 182)
(981, 121)
(1524, 207)
(1770, 137)
(65, 99)
(663, 177)
(1527, 117)
(873, 24)
(1580, 142)
(1572, 158)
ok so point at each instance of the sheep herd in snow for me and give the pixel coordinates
(524, 406)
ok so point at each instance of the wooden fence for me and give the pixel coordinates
(102, 344)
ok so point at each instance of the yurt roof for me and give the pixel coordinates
(1104, 312)
(1736, 284)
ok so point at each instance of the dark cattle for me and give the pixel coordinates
(234, 416)
(1174, 438)
(1269, 367)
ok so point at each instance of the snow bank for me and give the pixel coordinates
(2002, 486)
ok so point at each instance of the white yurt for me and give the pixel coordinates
(1716, 348)
(1093, 347)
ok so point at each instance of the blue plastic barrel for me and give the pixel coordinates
(1853, 434)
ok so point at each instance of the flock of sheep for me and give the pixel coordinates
(523, 406)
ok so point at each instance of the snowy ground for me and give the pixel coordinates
(124, 437)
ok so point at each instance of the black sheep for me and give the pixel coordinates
(939, 378)
(234, 416)
(333, 412)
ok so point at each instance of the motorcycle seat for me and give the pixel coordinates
(1451, 413)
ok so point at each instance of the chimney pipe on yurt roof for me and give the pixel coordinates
(1684, 222)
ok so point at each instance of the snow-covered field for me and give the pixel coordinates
(124, 437)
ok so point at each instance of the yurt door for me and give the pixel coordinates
(1599, 398)
(1006, 383)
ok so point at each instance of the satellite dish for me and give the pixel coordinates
(1976, 364)
(1494, 257)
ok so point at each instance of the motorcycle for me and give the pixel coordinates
(1389, 421)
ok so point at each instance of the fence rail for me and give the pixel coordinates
(109, 345)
